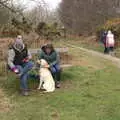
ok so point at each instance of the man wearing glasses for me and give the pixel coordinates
(19, 61)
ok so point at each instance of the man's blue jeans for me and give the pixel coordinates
(24, 69)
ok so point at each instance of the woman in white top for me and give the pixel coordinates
(110, 41)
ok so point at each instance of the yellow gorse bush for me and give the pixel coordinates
(113, 25)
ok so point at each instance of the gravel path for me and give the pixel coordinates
(114, 60)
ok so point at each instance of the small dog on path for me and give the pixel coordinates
(46, 80)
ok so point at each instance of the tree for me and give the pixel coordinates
(4, 15)
(84, 15)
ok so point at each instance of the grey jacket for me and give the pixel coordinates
(11, 55)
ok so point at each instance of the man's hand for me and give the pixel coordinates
(26, 60)
(15, 70)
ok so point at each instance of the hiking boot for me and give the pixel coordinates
(112, 54)
(24, 93)
(58, 85)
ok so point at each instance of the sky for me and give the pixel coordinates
(51, 3)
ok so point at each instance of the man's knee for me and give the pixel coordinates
(20, 68)
(30, 64)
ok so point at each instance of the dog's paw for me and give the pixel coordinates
(45, 92)
(38, 88)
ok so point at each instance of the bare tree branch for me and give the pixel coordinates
(86, 15)
(3, 3)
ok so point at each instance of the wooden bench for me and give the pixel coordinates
(64, 59)
(59, 50)
(34, 53)
(63, 53)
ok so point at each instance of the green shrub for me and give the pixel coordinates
(113, 25)
(9, 31)
(48, 31)
(23, 25)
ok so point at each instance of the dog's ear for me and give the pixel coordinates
(38, 62)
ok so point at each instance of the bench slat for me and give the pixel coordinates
(61, 50)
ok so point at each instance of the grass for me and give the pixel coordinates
(90, 91)
(88, 43)
(87, 93)
(85, 42)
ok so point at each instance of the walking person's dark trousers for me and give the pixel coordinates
(106, 50)
(111, 49)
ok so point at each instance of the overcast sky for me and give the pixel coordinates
(51, 3)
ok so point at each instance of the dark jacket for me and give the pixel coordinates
(15, 57)
(20, 55)
(52, 59)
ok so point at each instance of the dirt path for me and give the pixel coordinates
(114, 60)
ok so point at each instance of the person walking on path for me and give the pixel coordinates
(104, 42)
(110, 42)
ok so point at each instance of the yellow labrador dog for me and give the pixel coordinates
(46, 79)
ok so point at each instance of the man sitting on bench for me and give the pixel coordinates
(52, 57)
(19, 62)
